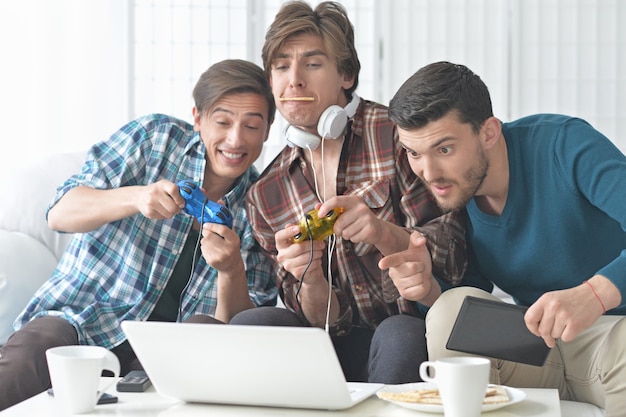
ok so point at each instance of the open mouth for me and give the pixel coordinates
(440, 189)
(231, 155)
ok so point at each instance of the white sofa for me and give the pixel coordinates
(29, 250)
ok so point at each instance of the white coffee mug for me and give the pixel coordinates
(462, 383)
(75, 373)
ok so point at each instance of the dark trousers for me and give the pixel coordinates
(390, 354)
(23, 365)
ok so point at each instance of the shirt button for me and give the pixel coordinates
(175, 251)
(358, 287)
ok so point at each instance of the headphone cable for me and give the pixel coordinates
(331, 241)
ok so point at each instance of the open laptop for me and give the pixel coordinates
(292, 367)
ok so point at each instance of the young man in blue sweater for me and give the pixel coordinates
(546, 202)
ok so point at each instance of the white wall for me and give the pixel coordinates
(470, 32)
(570, 57)
(553, 56)
(67, 80)
(63, 78)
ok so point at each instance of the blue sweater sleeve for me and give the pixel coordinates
(597, 171)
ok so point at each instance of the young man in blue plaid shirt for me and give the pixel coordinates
(136, 255)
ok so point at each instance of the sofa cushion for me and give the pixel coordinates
(578, 409)
(26, 264)
(28, 193)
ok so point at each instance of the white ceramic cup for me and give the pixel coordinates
(462, 383)
(75, 373)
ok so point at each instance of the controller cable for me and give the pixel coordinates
(306, 268)
(193, 264)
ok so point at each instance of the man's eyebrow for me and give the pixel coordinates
(406, 147)
(314, 52)
(441, 141)
(249, 114)
(432, 146)
(307, 54)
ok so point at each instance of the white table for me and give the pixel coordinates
(538, 403)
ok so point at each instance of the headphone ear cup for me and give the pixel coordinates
(353, 106)
(332, 122)
(301, 138)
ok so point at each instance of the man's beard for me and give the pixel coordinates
(473, 180)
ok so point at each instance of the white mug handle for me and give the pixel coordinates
(110, 363)
(424, 366)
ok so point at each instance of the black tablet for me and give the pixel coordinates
(496, 329)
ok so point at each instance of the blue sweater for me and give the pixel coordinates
(565, 215)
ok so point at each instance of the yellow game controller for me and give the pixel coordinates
(319, 228)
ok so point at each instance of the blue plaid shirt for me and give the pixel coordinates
(118, 271)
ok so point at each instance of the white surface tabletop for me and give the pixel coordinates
(538, 403)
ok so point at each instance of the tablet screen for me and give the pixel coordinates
(496, 329)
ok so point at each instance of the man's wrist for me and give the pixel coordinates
(433, 293)
(393, 239)
(605, 291)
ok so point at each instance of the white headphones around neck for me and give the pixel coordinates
(331, 125)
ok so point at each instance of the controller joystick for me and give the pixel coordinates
(200, 207)
(319, 228)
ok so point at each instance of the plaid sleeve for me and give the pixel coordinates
(259, 271)
(446, 242)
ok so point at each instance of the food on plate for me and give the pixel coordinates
(495, 394)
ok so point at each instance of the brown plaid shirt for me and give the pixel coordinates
(374, 167)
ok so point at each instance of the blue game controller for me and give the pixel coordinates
(200, 207)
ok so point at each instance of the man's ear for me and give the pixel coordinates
(196, 118)
(491, 131)
(267, 132)
(348, 82)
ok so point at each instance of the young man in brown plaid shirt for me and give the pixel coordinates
(344, 154)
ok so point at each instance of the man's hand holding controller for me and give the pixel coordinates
(317, 228)
(203, 209)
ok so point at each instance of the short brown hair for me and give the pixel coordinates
(329, 21)
(232, 76)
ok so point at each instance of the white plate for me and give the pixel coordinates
(515, 396)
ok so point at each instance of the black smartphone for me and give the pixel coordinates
(105, 398)
(134, 381)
